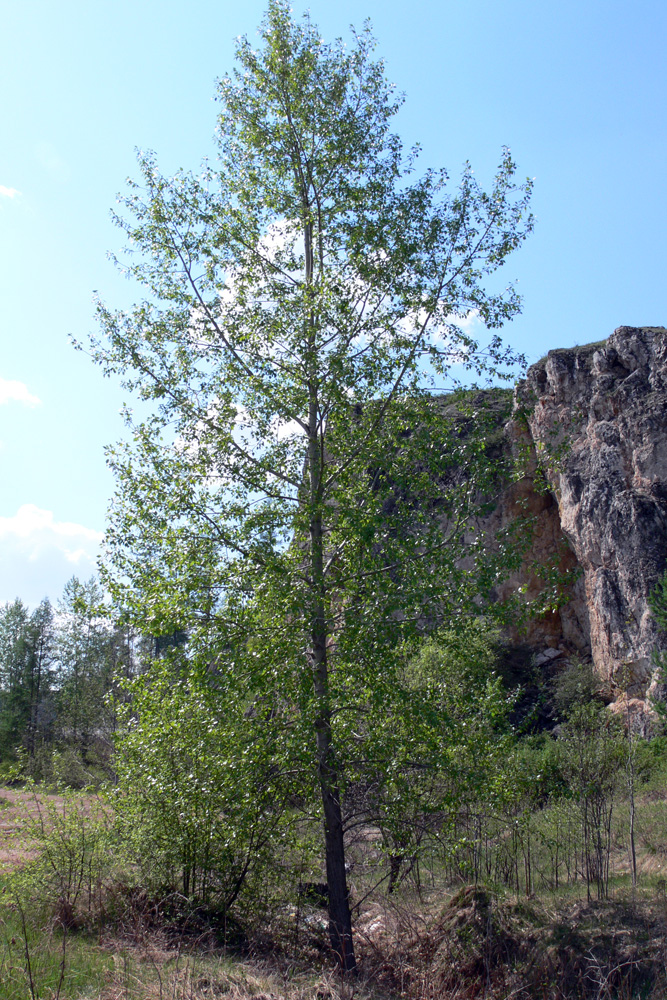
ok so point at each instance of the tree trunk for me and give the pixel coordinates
(630, 772)
(340, 920)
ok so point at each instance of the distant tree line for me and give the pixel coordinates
(58, 666)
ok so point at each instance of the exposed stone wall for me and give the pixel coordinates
(595, 419)
(565, 627)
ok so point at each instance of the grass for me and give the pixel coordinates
(39, 960)
(403, 955)
(44, 962)
(425, 942)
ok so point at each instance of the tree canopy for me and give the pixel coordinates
(285, 503)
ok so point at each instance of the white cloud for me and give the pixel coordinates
(287, 429)
(35, 529)
(6, 192)
(38, 554)
(12, 391)
(471, 324)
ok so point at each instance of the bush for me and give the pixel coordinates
(75, 850)
(197, 802)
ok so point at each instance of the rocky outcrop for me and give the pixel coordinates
(593, 422)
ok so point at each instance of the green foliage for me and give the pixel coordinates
(83, 648)
(200, 800)
(591, 750)
(546, 820)
(651, 762)
(457, 706)
(575, 684)
(54, 768)
(299, 265)
(534, 774)
(302, 298)
(658, 604)
(56, 669)
(26, 682)
(437, 740)
(592, 753)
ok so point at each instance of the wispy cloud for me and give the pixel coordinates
(13, 391)
(38, 554)
(6, 192)
(36, 529)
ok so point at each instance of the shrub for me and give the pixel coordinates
(197, 800)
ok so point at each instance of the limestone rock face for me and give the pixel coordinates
(595, 419)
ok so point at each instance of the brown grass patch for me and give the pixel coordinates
(20, 811)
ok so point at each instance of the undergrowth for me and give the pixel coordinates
(77, 924)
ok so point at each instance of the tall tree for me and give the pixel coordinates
(85, 653)
(302, 304)
(40, 674)
(26, 655)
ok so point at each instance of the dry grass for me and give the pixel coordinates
(471, 946)
(18, 810)
(416, 945)
(159, 974)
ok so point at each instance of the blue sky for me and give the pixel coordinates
(577, 89)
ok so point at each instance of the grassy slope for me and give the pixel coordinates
(416, 944)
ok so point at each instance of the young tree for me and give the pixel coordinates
(302, 303)
(591, 756)
(440, 743)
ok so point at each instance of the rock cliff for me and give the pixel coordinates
(593, 423)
